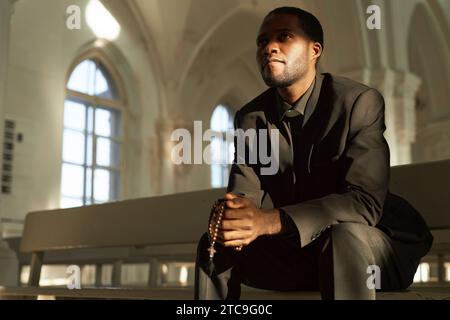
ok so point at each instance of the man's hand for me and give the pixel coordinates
(243, 222)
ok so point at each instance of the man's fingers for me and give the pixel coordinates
(233, 235)
(236, 243)
(230, 196)
(234, 224)
(233, 243)
(235, 201)
(234, 238)
(238, 213)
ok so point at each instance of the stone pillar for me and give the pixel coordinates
(8, 259)
(168, 177)
(399, 90)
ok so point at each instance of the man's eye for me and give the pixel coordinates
(284, 36)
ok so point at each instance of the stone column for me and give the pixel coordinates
(169, 177)
(399, 90)
(8, 259)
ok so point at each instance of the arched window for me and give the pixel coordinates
(91, 159)
(222, 151)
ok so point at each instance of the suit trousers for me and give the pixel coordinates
(347, 261)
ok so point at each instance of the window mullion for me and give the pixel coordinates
(111, 168)
(94, 136)
(94, 152)
(86, 137)
(77, 96)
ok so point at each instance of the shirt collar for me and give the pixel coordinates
(299, 106)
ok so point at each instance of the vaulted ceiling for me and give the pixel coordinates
(180, 35)
(188, 40)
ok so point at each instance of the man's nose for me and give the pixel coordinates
(271, 48)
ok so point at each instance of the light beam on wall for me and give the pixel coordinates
(101, 21)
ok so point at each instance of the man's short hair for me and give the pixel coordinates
(309, 24)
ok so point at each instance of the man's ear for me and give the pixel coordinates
(316, 51)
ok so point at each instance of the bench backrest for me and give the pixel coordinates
(182, 218)
(179, 218)
(427, 187)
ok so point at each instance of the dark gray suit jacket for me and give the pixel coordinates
(344, 172)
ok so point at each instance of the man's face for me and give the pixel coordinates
(283, 52)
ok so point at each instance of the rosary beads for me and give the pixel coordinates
(215, 220)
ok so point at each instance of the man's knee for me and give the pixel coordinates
(349, 232)
(351, 239)
(356, 246)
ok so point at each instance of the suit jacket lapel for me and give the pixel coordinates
(312, 102)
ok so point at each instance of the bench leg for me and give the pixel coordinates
(35, 269)
(117, 273)
(441, 269)
(98, 274)
(153, 273)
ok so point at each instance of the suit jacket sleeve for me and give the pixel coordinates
(243, 177)
(364, 175)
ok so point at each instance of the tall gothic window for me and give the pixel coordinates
(91, 158)
(222, 152)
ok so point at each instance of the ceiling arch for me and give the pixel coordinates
(428, 57)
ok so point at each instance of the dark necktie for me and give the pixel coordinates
(295, 122)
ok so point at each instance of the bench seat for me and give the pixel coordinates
(417, 293)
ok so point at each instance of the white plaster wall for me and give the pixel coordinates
(41, 52)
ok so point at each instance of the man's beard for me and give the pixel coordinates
(290, 75)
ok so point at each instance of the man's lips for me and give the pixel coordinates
(267, 61)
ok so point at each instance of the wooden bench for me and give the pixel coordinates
(168, 228)
(134, 230)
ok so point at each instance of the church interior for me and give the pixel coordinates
(91, 92)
